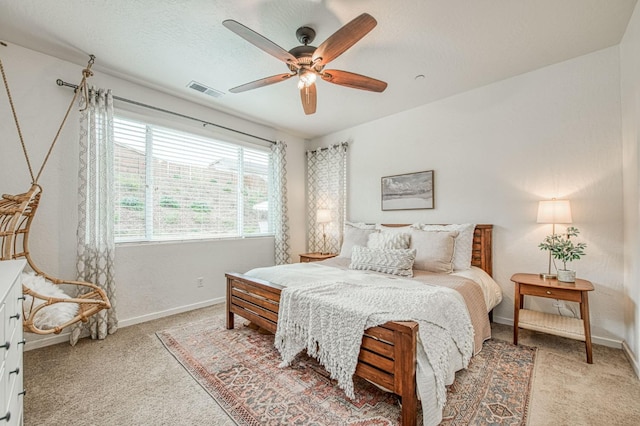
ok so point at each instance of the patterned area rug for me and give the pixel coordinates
(239, 369)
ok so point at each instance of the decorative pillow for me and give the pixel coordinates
(393, 229)
(354, 236)
(50, 316)
(387, 240)
(395, 262)
(361, 225)
(464, 242)
(434, 250)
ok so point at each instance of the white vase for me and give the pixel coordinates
(566, 275)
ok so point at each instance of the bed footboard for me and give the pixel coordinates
(387, 355)
(253, 299)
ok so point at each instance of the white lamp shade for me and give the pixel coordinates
(323, 216)
(554, 211)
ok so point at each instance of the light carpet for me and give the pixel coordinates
(238, 368)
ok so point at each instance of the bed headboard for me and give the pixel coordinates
(481, 249)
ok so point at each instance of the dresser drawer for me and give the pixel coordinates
(3, 336)
(12, 332)
(551, 292)
(14, 389)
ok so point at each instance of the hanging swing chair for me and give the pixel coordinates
(46, 307)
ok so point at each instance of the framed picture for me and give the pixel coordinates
(408, 192)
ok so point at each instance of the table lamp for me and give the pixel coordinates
(323, 217)
(553, 211)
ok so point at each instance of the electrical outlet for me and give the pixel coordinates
(558, 304)
(200, 281)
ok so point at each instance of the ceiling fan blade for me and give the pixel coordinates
(261, 83)
(260, 41)
(309, 99)
(353, 80)
(344, 38)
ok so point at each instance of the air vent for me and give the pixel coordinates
(204, 89)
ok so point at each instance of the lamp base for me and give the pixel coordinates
(547, 276)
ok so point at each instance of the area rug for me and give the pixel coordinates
(239, 369)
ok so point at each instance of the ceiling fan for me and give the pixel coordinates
(308, 62)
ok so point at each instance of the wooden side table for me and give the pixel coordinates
(315, 257)
(572, 328)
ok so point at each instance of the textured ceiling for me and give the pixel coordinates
(457, 45)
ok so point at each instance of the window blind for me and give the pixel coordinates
(171, 184)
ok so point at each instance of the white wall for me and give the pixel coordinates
(630, 97)
(152, 279)
(498, 150)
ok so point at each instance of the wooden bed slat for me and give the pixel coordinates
(380, 333)
(376, 376)
(382, 348)
(256, 319)
(269, 295)
(267, 304)
(382, 363)
(265, 313)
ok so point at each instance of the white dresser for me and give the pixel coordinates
(11, 342)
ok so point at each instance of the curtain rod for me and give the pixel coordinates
(337, 145)
(59, 82)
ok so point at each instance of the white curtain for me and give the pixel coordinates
(278, 213)
(95, 251)
(326, 190)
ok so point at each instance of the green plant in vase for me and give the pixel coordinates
(562, 247)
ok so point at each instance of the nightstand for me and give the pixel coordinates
(572, 328)
(315, 257)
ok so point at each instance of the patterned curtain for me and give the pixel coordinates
(326, 190)
(95, 251)
(278, 213)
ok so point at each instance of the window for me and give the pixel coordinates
(175, 185)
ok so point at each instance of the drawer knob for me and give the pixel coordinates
(548, 291)
(22, 342)
(6, 417)
(6, 345)
(16, 316)
(22, 298)
(23, 393)
(16, 371)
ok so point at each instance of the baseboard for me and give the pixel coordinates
(632, 360)
(50, 340)
(64, 337)
(169, 312)
(604, 341)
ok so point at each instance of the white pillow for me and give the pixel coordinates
(464, 242)
(393, 229)
(354, 236)
(361, 225)
(50, 316)
(434, 250)
(386, 240)
(396, 262)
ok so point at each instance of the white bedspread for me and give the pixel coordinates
(312, 316)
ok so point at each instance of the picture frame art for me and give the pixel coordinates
(410, 191)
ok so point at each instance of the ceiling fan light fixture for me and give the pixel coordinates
(307, 78)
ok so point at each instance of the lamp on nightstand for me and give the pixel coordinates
(323, 217)
(553, 211)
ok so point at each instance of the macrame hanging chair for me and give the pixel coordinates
(45, 302)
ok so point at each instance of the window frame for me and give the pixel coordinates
(200, 131)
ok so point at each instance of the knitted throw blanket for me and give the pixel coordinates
(328, 319)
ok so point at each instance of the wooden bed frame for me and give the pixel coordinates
(388, 352)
